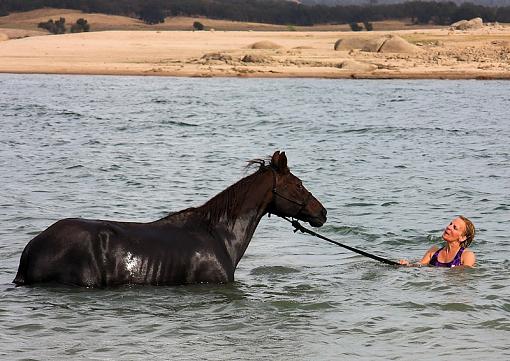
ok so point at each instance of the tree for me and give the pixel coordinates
(197, 25)
(54, 27)
(80, 26)
(3, 10)
(152, 13)
(355, 27)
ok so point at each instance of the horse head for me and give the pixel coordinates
(290, 197)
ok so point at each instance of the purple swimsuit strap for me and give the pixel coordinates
(456, 261)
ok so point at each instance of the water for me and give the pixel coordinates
(392, 161)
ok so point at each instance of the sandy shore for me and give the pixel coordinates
(435, 53)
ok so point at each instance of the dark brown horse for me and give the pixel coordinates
(195, 245)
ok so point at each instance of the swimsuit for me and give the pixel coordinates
(456, 261)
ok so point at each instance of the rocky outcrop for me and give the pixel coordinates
(264, 45)
(350, 44)
(258, 59)
(384, 44)
(217, 57)
(473, 24)
(357, 66)
(395, 44)
(375, 45)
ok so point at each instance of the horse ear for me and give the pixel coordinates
(274, 159)
(279, 162)
(283, 163)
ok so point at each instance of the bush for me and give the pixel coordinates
(54, 27)
(197, 25)
(355, 27)
(81, 26)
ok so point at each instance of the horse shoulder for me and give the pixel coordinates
(209, 267)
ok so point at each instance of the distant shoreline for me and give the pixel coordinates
(434, 54)
(424, 76)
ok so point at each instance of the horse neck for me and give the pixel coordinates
(233, 215)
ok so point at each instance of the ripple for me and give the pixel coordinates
(343, 230)
(274, 270)
(291, 305)
(27, 327)
(359, 204)
(496, 324)
(454, 306)
(387, 204)
(75, 166)
(411, 305)
(179, 123)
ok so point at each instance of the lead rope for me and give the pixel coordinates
(299, 227)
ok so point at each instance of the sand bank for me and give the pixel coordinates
(439, 53)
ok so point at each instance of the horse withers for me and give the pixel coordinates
(195, 245)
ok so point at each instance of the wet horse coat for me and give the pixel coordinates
(195, 245)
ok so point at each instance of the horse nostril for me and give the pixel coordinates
(324, 212)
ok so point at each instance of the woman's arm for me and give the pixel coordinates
(428, 256)
(424, 261)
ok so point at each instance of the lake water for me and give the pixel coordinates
(392, 161)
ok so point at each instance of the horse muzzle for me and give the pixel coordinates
(317, 220)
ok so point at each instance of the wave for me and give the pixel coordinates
(178, 123)
(273, 270)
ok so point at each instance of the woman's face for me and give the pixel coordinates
(454, 232)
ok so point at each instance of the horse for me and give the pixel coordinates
(195, 245)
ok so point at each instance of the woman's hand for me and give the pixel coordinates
(404, 262)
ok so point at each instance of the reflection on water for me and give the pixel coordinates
(392, 161)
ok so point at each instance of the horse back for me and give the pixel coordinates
(98, 253)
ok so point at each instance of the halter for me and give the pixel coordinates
(276, 193)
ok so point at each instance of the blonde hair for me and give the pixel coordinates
(469, 232)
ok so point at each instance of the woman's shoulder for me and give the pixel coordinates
(468, 258)
(428, 255)
(467, 252)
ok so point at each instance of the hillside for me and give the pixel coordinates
(19, 25)
(274, 11)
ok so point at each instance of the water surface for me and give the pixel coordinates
(392, 161)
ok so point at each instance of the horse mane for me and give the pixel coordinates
(260, 162)
(228, 202)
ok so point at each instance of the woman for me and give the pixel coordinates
(458, 235)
